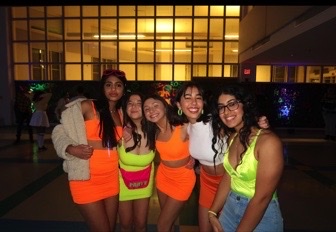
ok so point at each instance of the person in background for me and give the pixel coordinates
(136, 166)
(79, 93)
(39, 120)
(192, 104)
(87, 140)
(23, 112)
(175, 177)
(60, 107)
(246, 199)
(329, 113)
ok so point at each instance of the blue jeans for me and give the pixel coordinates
(234, 209)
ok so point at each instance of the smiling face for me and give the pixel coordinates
(154, 110)
(113, 88)
(133, 107)
(191, 104)
(230, 111)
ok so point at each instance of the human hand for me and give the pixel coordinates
(81, 151)
(216, 226)
(127, 133)
(263, 122)
(191, 163)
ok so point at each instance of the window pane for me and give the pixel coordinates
(215, 52)
(199, 70)
(72, 29)
(164, 10)
(201, 10)
(73, 72)
(108, 11)
(180, 72)
(54, 11)
(90, 49)
(108, 29)
(216, 10)
(183, 28)
(182, 53)
(108, 50)
(126, 52)
(183, 10)
(71, 11)
(216, 29)
(263, 73)
(231, 52)
(231, 29)
(37, 31)
(126, 10)
(200, 54)
(56, 48)
(55, 29)
(145, 11)
(73, 52)
(36, 12)
(20, 52)
(19, 12)
(200, 29)
(129, 70)
(164, 51)
(145, 51)
(127, 29)
(164, 28)
(215, 71)
(163, 72)
(232, 10)
(145, 72)
(146, 28)
(90, 11)
(90, 28)
(329, 74)
(21, 72)
(313, 74)
(20, 30)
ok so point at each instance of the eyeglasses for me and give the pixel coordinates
(114, 72)
(233, 105)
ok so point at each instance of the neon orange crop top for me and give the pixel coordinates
(174, 148)
(92, 128)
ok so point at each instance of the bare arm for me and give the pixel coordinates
(269, 153)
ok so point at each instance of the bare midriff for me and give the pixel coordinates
(176, 163)
(214, 170)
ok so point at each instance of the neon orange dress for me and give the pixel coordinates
(104, 172)
(177, 183)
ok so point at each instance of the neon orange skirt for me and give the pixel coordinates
(104, 178)
(177, 183)
(208, 188)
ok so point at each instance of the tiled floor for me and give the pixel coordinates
(34, 193)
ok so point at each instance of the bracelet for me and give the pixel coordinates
(213, 213)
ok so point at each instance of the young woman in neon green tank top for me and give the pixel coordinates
(246, 199)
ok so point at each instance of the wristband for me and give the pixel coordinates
(212, 212)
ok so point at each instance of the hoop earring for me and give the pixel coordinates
(179, 112)
(202, 111)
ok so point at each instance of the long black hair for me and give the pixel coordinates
(250, 117)
(107, 127)
(147, 128)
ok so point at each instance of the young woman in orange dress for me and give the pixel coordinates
(87, 140)
(175, 177)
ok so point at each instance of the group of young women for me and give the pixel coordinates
(109, 144)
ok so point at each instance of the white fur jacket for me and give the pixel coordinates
(71, 131)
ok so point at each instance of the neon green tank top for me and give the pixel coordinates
(243, 179)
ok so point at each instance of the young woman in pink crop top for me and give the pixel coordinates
(175, 177)
(97, 197)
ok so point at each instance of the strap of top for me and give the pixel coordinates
(94, 109)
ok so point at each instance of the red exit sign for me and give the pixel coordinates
(247, 71)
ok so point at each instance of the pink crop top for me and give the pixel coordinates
(174, 148)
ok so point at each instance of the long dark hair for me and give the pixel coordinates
(147, 128)
(172, 118)
(205, 116)
(107, 127)
(250, 117)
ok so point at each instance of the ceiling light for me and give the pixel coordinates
(170, 50)
(123, 36)
(231, 36)
(234, 50)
